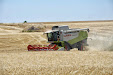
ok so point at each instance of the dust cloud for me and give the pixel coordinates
(98, 42)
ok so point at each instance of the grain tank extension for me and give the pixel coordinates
(61, 38)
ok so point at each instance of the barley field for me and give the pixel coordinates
(97, 59)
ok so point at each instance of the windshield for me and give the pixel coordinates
(52, 36)
(49, 35)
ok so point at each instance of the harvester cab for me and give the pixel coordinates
(62, 38)
(52, 36)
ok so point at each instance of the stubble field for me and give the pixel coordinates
(16, 60)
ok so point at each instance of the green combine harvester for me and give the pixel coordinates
(61, 38)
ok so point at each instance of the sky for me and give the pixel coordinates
(17, 11)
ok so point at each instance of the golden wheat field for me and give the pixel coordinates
(97, 59)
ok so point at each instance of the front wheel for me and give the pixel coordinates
(67, 47)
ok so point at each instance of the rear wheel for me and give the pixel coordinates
(80, 46)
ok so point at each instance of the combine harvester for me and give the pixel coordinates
(63, 39)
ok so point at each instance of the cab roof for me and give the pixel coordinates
(51, 31)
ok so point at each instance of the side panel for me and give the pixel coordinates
(82, 35)
(70, 36)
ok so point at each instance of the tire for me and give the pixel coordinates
(80, 46)
(67, 47)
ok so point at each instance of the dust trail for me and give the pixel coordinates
(98, 42)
